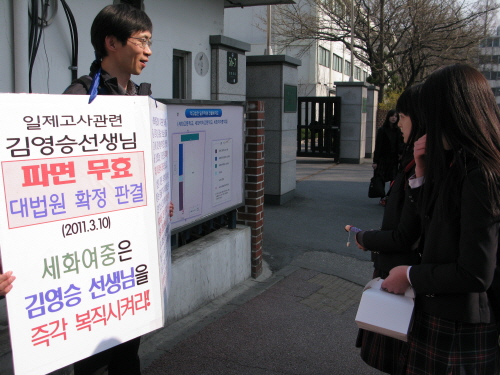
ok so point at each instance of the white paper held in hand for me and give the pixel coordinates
(385, 313)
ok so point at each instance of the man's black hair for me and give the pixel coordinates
(120, 21)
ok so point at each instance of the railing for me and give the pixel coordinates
(183, 237)
(318, 127)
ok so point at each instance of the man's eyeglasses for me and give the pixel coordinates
(144, 42)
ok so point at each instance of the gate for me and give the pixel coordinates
(318, 127)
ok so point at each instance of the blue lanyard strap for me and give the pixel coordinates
(94, 86)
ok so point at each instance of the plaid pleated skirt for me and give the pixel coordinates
(439, 346)
(379, 351)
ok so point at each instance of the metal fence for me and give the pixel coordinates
(318, 127)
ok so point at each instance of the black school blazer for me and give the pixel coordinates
(459, 257)
(393, 245)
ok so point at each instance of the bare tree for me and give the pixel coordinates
(402, 41)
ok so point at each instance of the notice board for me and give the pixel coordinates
(84, 223)
(206, 157)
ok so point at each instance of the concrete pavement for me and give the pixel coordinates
(299, 319)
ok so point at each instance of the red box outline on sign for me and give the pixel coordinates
(73, 157)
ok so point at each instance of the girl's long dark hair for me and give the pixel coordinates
(458, 106)
(387, 123)
(408, 104)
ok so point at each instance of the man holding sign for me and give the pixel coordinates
(121, 36)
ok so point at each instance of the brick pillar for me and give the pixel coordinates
(252, 214)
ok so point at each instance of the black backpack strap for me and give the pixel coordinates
(85, 81)
(144, 89)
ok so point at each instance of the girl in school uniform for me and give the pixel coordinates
(457, 191)
(395, 243)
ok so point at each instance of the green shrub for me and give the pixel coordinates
(390, 100)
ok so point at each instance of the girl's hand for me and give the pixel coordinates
(6, 280)
(396, 282)
(419, 155)
(361, 247)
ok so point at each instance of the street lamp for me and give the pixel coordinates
(269, 50)
(351, 78)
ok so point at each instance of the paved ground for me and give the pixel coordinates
(303, 323)
(301, 319)
(327, 197)
(298, 319)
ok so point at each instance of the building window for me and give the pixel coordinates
(490, 42)
(491, 76)
(485, 59)
(486, 42)
(337, 63)
(489, 59)
(357, 73)
(324, 56)
(181, 78)
(338, 8)
(347, 70)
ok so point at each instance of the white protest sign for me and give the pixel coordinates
(84, 223)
